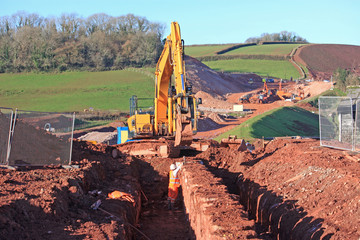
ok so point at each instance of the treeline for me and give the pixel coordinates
(29, 42)
(346, 77)
(283, 36)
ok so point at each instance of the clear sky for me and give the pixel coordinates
(220, 21)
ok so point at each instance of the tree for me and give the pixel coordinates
(283, 36)
(29, 42)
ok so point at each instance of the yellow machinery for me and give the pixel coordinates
(174, 113)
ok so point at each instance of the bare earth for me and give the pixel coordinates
(284, 189)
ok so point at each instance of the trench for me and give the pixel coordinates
(214, 203)
(274, 218)
(208, 207)
(156, 220)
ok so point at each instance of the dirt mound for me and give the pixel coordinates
(204, 79)
(323, 59)
(32, 145)
(209, 102)
(216, 117)
(55, 203)
(206, 124)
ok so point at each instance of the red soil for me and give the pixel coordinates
(323, 59)
(318, 185)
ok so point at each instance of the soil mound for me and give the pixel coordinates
(207, 124)
(32, 145)
(203, 78)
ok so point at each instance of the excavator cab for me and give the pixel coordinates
(141, 118)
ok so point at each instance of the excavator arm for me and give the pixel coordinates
(174, 104)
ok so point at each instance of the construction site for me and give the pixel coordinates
(279, 188)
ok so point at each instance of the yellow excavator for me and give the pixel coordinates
(174, 116)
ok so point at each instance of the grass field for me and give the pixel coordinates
(279, 69)
(205, 50)
(285, 121)
(268, 49)
(74, 91)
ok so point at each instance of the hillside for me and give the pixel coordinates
(323, 59)
(217, 84)
(286, 121)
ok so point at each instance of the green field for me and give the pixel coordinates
(74, 91)
(205, 50)
(268, 49)
(285, 121)
(278, 69)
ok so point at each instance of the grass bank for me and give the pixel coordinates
(74, 91)
(280, 69)
(285, 121)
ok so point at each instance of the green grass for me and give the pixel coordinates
(268, 49)
(74, 91)
(279, 69)
(285, 121)
(205, 50)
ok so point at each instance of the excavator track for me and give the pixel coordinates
(147, 147)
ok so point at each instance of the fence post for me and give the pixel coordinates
(11, 134)
(72, 137)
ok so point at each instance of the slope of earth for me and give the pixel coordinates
(318, 185)
(202, 78)
(323, 59)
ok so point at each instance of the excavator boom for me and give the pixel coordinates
(175, 114)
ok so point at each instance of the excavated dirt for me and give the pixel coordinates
(295, 188)
(55, 203)
(202, 78)
(288, 189)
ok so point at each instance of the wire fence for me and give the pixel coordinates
(36, 138)
(338, 122)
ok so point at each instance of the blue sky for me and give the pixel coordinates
(220, 21)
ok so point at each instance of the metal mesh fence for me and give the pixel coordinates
(336, 120)
(5, 121)
(41, 138)
(357, 127)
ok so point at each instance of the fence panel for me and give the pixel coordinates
(41, 138)
(357, 127)
(336, 120)
(5, 121)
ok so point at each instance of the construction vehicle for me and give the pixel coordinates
(283, 94)
(174, 116)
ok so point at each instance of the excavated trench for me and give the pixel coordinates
(215, 203)
(273, 216)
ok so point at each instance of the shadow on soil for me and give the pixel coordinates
(274, 217)
(156, 220)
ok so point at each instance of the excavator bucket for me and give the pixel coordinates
(234, 143)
